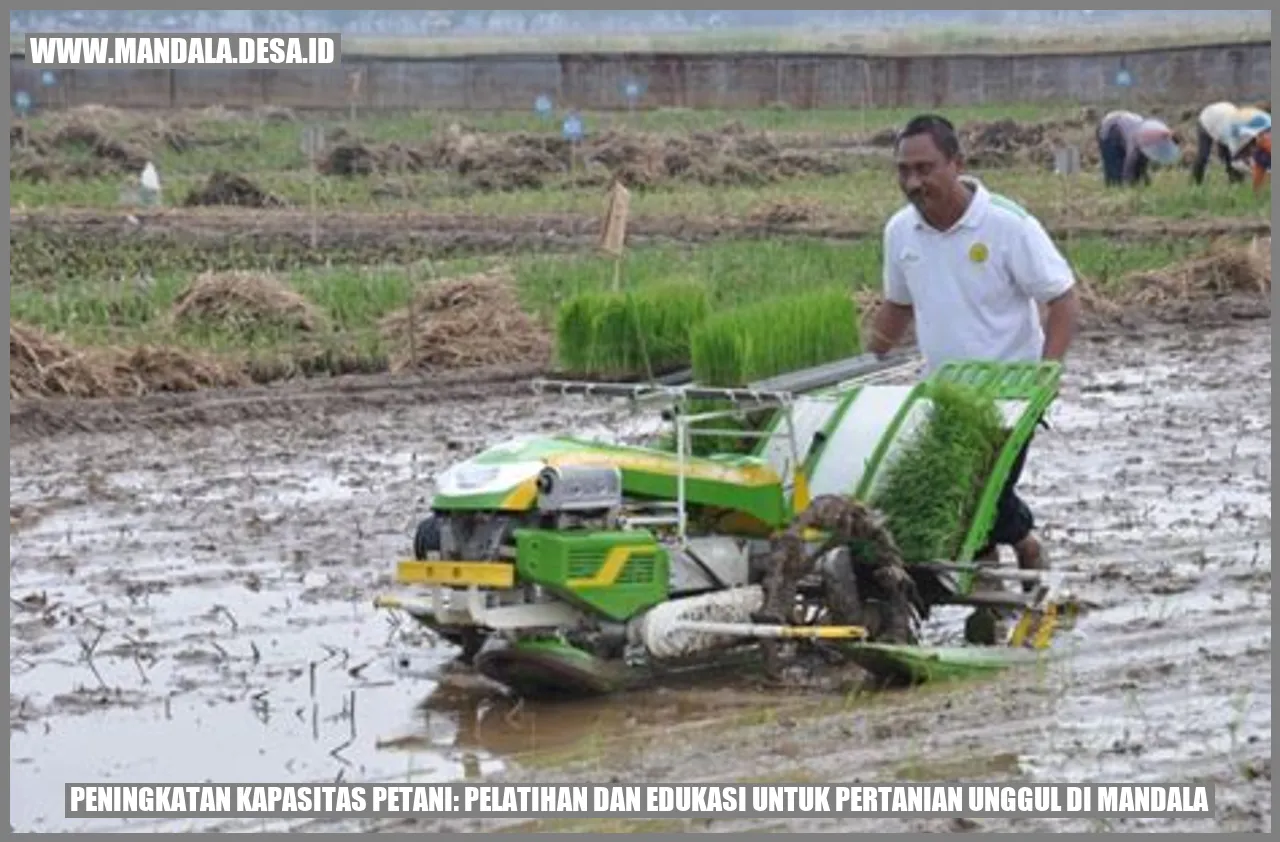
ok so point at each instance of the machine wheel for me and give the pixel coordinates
(426, 539)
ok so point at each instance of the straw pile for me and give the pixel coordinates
(44, 366)
(1230, 271)
(475, 320)
(245, 301)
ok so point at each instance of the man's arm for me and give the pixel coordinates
(893, 316)
(1040, 270)
(888, 326)
(1060, 325)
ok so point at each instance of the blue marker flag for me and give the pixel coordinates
(572, 127)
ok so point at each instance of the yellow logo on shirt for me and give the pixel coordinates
(978, 253)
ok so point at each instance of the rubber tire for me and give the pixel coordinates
(426, 539)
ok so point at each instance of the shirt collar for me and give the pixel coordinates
(973, 215)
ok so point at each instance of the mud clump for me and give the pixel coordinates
(353, 158)
(42, 366)
(999, 143)
(93, 141)
(465, 322)
(97, 141)
(788, 212)
(1005, 143)
(524, 161)
(883, 139)
(75, 150)
(244, 302)
(226, 188)
(727, 157)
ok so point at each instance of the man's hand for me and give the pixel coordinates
(1060, 324)
(888, 326)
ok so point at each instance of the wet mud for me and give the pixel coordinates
(193, 601)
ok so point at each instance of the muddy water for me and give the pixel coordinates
(193, 604)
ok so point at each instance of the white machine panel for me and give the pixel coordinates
(843, 461)
(808, 415)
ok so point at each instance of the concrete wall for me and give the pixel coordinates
(742, 80)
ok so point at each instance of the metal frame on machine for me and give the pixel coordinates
(686, 431)
(828, 382)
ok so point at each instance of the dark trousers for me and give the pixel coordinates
(1112, 148)
(1204, 151)
(1014, 520)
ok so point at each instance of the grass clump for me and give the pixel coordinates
(630, 334)
(930, 490)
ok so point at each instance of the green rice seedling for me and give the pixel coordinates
(774, 336)
(760, 340)
(931, 488)
(630, 334)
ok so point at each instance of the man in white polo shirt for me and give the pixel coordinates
(971, 267)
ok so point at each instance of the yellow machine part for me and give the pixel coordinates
(458, 574)
(1036, 626)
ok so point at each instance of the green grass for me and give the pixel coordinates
(88, 302)
(930, 489)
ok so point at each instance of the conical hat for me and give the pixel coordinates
(1155, 139)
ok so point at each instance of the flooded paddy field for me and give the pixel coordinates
(193, 601)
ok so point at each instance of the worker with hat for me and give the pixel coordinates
(1128, 142)
(1231, 130)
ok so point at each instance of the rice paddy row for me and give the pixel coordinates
(865, 196)
(88, 309)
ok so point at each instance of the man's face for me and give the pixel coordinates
(924, 173)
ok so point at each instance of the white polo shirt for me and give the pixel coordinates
(975, 287)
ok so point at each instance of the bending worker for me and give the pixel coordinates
(1228, 129)
(1128, 142)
